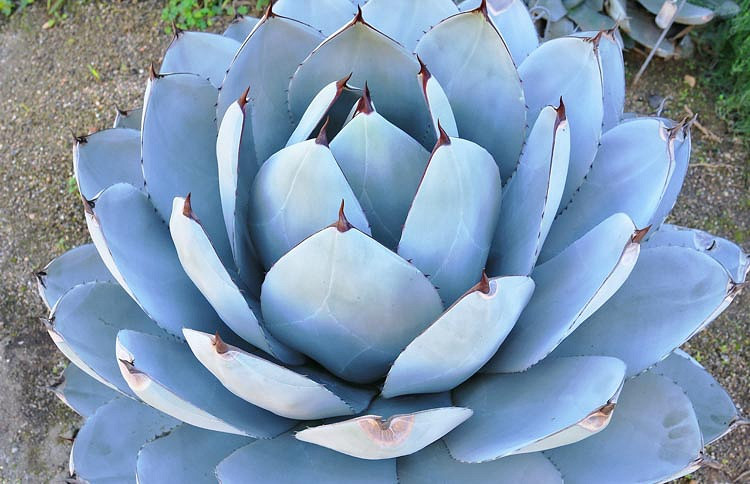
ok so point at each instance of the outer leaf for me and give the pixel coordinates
(85, 325)
(202, 53)
(626, 177)
(478, 94)
(451, 222)
(164, 374)
(76, 266)
(240, 27)
(672, 293)
(135, 245)
(512, 20)
(462, 340)
(375, 437)
(279, 45)
(714, 409)
(347, 302)
(179, 150)
(555, 403)
(284, 211)
(653, 437)
(309, 396)
(613, 75)
(185, 454)
(105, 158)
(570, 288)
(434, 464)
(532, 196)
(82, 393)
(731, 257)
(130, 119)
(569, 68)
(232, 304)
(369, 56)
(237, 167)
(106, 447)
(406, 22)
(641, 28)
(682, 146)
(383, 166)
(325, 15)
(286, 460)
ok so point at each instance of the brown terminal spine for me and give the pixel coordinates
(322, 138)
(365, 102)
(639, 235)
(342, 224)
(219, 345)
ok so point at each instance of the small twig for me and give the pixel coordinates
(683, 33)
(706, 132)
(713, 165)
(742, 476)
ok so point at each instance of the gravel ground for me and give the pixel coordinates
(47, 90)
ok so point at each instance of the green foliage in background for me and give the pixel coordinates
(54, 9)
(200, 14)
(729, 44)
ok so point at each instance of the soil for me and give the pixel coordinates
(48, 90)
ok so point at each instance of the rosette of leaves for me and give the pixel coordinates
(642, 21)
(387, 242)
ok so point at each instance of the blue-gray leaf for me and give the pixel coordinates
(105, 158)
(451, 222)
(286, 460)
(185, 454)
(672, 293)
(557, 402)
(81, 392)
(202, 53)
(406, 22)
(76, 266)
(477, 95)
(348, 302)
(653, 437)
(164, 373)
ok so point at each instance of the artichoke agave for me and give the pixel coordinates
(335, 248)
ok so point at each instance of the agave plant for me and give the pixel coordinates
(388, 242)
(643, 21)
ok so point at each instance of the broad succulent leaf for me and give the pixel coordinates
(270, 460)
(303, 309)
(672, 293)
(164, 374)
(105, 158)
(558, 402)
(452, 219)
(653, 437)
(185, 454)
(76, 266)
(81, 392)
(106, 447)
(283, 212)
(626, 177)
(179, 150)
(84, 325)
(532, 196)
(688, 14)
(568, 68)
(413, 21)
(199, 259)
(127, 231)
(601, 260)
(478, 95)
(280, 45)
(309, 395)
(462, 340)
(714, 409)
(728, 254)
(205, 54)
(384, 166)
(369, 56)
(435, 464)
(504, 308)
(391, 428)
(513, 21)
